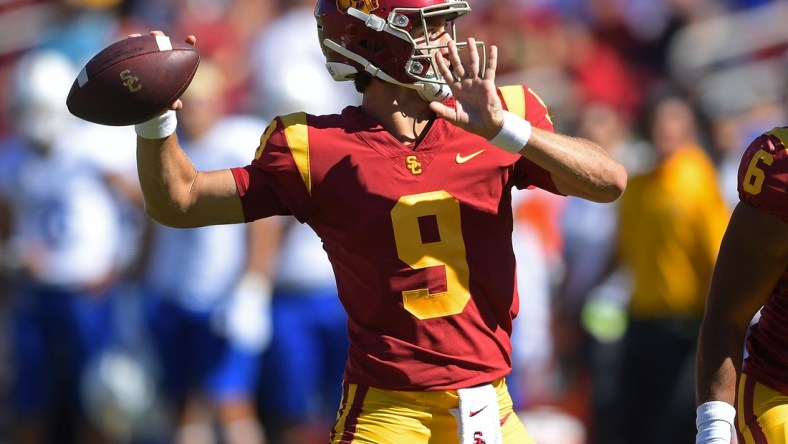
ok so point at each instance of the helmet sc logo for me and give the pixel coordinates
(365, 6)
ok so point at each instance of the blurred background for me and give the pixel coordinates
(611, 295)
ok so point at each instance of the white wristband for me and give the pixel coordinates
(714, 420)
(514, 133)
(157, 127)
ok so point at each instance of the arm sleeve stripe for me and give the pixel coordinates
(780, 133)
(297, 135)
(514, 99)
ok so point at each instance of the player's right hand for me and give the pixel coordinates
(190, 39)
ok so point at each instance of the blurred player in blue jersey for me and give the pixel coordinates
(299, 391)
(209, 288)
(67, 248)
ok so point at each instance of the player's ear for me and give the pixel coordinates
(362, 81)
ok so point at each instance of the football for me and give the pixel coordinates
(133, 80)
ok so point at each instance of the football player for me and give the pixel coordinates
(747, 300)
(410, 193)
(207, 289)
(70, 211)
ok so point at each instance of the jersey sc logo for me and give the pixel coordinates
(365, 6)
(413, 165)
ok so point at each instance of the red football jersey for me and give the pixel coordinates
(419, 237)
(763, 183)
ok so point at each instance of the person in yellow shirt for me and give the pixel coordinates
(671, 222)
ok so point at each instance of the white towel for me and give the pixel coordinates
(478, 420)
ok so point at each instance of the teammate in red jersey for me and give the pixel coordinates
(751, 275)
(410, 194)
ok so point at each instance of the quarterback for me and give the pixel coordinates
(410, 194)
(751, 276)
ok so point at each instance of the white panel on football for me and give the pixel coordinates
(82, 78)
(164, 43)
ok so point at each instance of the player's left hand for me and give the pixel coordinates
(245, 318)
(478, 107)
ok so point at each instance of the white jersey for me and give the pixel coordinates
(303, 265)
(200, 266)
(66, 218)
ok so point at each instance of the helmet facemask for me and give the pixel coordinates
(421, 64)
(406, 61)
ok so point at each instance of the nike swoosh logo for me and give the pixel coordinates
(461, 159)
(476, 412)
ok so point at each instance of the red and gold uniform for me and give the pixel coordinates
(763, 388)
(419, 237)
